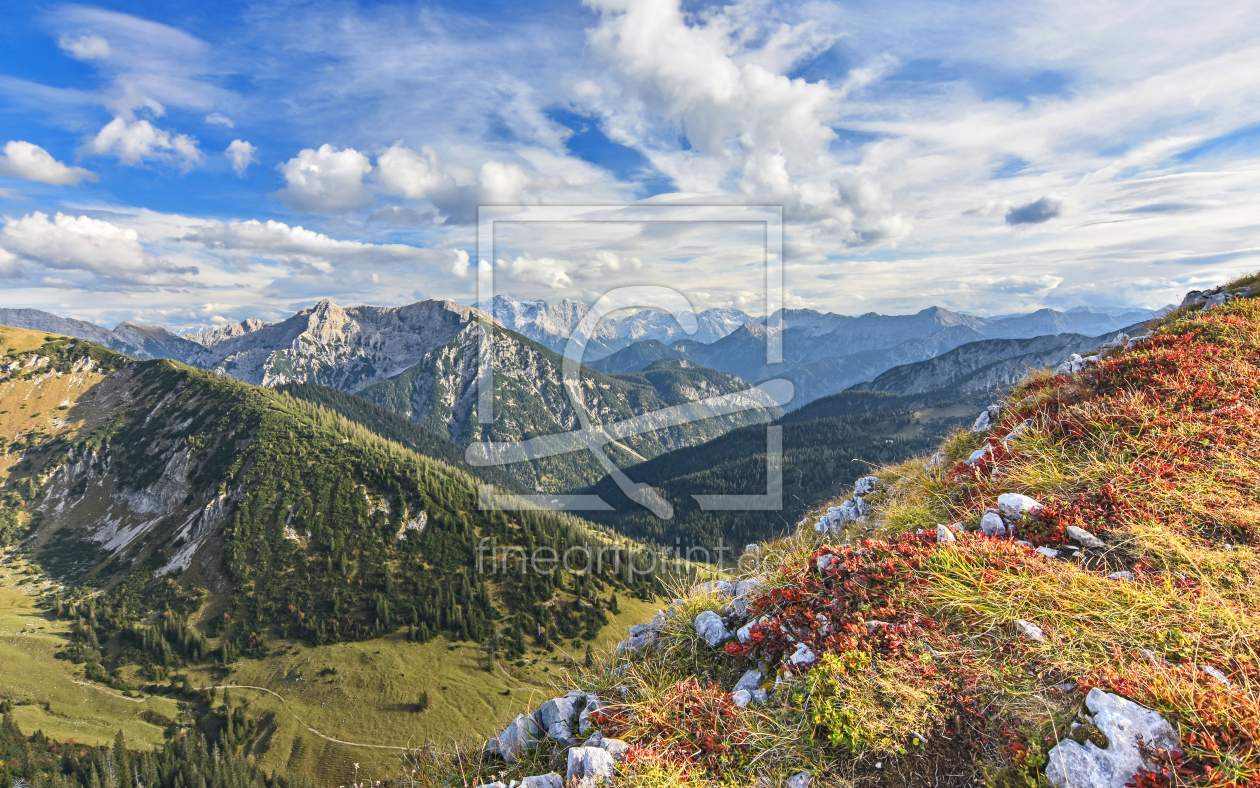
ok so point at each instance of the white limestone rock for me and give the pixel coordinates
(521, 735)
(589, 767)
(1030, 631)
(1013, 506)
(803, 655)
(1124, 723)
(866, 485)
(992, 525)
(749, 681)
(710, 627)
(1083, 537)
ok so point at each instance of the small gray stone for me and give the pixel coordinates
(1124, 723)
(1013, 506)
(720, 587)
(556, 716)
(749, 681)
(710, 628)
(548, 780)
(495, 784)
(803, 655)
(798, 780)
(983, 422)
(521, 735)
(866, 485)
(992, 525)
(825, 561)
(935, 461)
(943, 534)
(615, 747)
(1126, 576)
(1085, 538)
(741, 698)
(1048, 552)
(979, 454)
(589, 767)
(1217, 676)
(1030, 631)
(745, 632)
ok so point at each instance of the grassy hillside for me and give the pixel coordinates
(178, 530)
(945, 656)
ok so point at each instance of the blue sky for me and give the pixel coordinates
(190, 166)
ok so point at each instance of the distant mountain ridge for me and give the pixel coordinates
(352, 348)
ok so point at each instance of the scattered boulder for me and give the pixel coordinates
(1013, 506)
(825, 561)
(1083, 537)
(744, 633)
(1125, 724)
(1048, 552)
(521, 735)
(556, 717)
(589, 767)
(853, 510)
(548, 780)
(1030, 631)
(979, 454)
(803, 655)
(614, 747)
(798, 780)
(749, 681)
(1195, 299)
(593, 704)
(1073, 365)
(1019, 429)
(711, 628)
(1135, 341)
(944, 534)
(1217, 676)
(983, 422)
(866, 485)
(992, 525)
(720, 587)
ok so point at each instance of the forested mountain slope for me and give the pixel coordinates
(440, 393)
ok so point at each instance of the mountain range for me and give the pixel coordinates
(355, 348)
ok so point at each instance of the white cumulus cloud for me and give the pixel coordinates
(30, 162)
(85, 47)
(326, 180)
(721, 79)
(309, 249)
(136, 141)
(108, 253)
(241, 154)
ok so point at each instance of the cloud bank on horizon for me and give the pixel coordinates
(246, 160)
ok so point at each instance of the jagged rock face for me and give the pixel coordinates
(120, 500)
(347, 349)
(441, 393)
